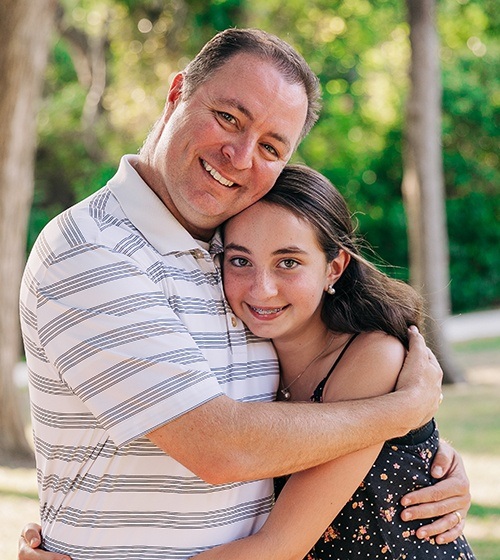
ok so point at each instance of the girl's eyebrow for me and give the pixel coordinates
(293, 249)
(235, 247)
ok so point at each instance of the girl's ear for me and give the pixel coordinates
(337, 266)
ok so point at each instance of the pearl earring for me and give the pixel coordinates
(330, 290)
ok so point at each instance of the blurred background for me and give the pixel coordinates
(107, 73)
(111, 62)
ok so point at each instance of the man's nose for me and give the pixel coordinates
(240, 151)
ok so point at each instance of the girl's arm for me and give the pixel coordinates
(311, 499)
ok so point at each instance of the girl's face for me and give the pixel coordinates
(275, 272)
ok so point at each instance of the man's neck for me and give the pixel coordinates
(147, 174)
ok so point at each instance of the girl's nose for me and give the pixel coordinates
(264, 285)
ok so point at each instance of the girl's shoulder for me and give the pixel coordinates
(369, 367)
(380, 344)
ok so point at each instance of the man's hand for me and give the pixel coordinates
(420, 378)
(30, 540)
(449, 499)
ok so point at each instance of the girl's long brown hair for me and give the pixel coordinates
(366, 299)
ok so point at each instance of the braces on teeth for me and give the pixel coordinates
(266, 311)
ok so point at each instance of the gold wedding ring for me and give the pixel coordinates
(459, 516)
(440, 401)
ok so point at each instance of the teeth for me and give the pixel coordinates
(266, 311)
(216, 175)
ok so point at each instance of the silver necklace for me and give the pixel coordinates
(285, 391)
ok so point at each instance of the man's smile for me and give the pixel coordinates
(216, 175)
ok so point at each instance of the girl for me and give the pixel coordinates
(293, 273)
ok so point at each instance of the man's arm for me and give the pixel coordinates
(231, 441)
(451, 494)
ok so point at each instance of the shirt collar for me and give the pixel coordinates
(148, 213)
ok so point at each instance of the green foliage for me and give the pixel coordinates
(471, 108)
(360, 51)
(474, 240)
(216, 15)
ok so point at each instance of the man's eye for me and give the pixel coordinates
(227, 117)
(270, 149)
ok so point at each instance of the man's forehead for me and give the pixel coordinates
(255, 68)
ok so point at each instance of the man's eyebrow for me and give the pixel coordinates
(233, 102)
(237, 105)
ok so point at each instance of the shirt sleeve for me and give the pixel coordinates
(117, 344)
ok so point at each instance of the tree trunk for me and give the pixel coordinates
(88, 53)
(423, 183)
(25, 27)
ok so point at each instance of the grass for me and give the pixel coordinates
(469, 418)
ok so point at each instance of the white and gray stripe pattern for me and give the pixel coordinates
(125, 328)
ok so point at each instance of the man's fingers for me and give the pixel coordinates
(444, 497)
(29, 540)
(420, 356)
(31, 534)
(417, 359)
(417, 346)
(443, 461)
(433, 359)
(445, 529)
(432, 510)
(25, 552)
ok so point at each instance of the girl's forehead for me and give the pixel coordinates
(263, 215)
(270, 225)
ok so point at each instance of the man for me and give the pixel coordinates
(154, 433)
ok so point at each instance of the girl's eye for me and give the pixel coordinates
(289, 264)
(239, 262)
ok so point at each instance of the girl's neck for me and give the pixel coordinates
(296, 353)
(306, 359)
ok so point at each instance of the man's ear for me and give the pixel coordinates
(175, 91)
(337, 266)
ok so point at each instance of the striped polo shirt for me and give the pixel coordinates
(126, 327)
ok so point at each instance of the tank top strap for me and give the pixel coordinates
(318, 392)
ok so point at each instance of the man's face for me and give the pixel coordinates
(222, 148)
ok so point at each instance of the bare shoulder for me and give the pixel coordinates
(380, 346)
(370, 367)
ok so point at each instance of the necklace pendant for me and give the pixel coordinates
(285, 393)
